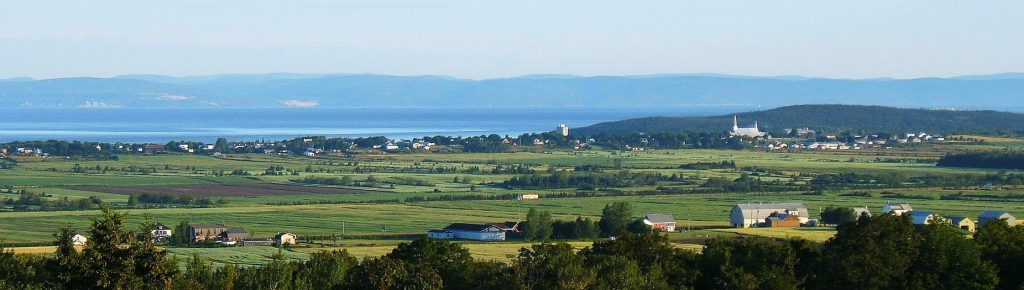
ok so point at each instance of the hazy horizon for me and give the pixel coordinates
(477, 40)
(1008, 74)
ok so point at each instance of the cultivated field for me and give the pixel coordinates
(218, 190)
(396, 194)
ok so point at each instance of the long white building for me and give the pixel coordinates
(752, 214)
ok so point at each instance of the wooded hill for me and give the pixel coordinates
(827, 118)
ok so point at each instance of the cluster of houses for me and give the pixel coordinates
(796, 215)
(832, 142)
(224, 235)
(22, 151)
(218, 233)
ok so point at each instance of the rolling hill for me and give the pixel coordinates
(827, 118)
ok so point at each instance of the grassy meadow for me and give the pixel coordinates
(382, 208)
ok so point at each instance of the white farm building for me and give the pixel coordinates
(476, 232)
(753, 214)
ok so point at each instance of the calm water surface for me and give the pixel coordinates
(162, 125)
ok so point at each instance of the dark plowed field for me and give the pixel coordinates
(247, 189)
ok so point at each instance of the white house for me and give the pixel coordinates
(660, 222)
(78, 240)
(285, 239)
(161, 232)
(476, 232)
(897, 208)
(753, 214)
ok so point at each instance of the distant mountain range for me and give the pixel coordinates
(826, 118)
(1002, 91)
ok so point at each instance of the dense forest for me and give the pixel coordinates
(827, 118)
(997, 159)
(880, 252)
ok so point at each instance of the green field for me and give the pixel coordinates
(401, 176)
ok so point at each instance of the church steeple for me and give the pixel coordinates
(735, 123)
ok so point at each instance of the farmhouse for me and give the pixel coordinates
(897, 208)
(476, 232)
(203, 232)
(78, 240)
(994, 215)
(161, 232)
(784, 220)
(660, 222)
(924, 217)
(753, 214)
(285, 239)
(963, 223)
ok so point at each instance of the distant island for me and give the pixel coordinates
(826, 118)
(569, 91)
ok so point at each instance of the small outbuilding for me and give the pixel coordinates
(963, 223)
(79, 240)
(782, 221)
(285, 239)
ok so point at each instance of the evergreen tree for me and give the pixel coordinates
(222, 146)
(615, 218)
(180, 235)
(539, 226)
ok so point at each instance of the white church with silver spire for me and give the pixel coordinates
(753, 132)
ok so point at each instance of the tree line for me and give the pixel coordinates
(881, 252)
(566, 179)
(988, 159)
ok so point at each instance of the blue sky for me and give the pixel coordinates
(490, 39)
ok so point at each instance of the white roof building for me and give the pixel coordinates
(897, 208)
(752, 214)
(752, 132)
